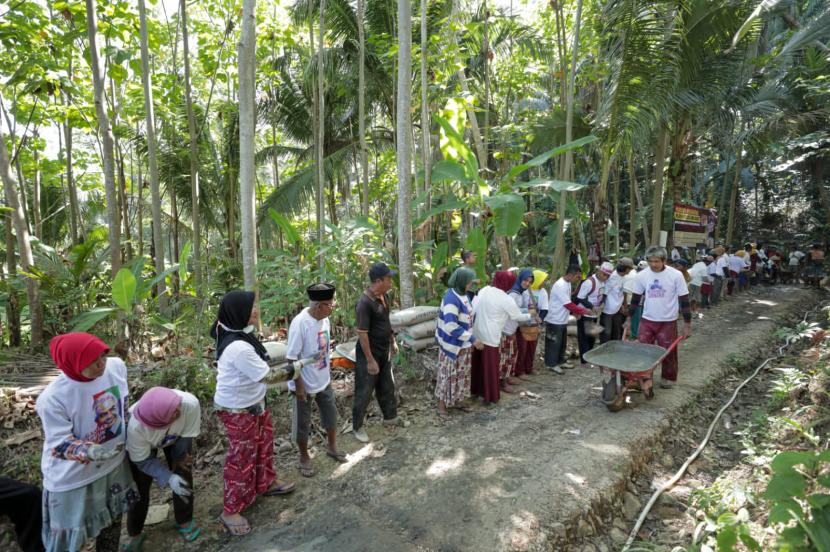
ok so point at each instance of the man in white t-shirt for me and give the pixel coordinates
(590, 294)
(614, 306)
(310, 336)
(664, 294)
(560, 306)
(699, 275)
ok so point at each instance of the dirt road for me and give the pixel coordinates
(528, 474)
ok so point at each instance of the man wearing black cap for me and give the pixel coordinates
(310, 336)
(376, 344)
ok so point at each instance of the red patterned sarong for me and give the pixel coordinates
(249, 464)
(507, 355)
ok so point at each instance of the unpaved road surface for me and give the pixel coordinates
(524, 475)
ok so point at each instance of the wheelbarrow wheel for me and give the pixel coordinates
(613, 400)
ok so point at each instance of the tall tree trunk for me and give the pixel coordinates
(194, 158)
(321, 134)
(560, 255)
(74, 213)
(140, 210)
(404, 152)
(23, 244)
(247, 127)
(361, 107)
(36, 194)
(121, 182)
(657, 200)
(105, 130)
(617, 210)
(425, 118)
(734, 195)
(632, 201)
(152, 163)
(13, 302)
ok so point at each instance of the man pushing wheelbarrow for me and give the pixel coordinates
(661, 292)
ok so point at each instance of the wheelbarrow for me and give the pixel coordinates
(636, 360)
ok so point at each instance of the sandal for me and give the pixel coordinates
(306, 471)
(284, 489)
(338, 456)
(135, 544)
(189, 532)
(235, 529)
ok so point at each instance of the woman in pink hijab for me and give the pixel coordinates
(166, 419)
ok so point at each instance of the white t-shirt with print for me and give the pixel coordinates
(661, 291)
(614, 293)
(308, 336)
(699, 273)
(238, 380)
(560, 295)
(736, 264)
(87, 411)
(141, 440)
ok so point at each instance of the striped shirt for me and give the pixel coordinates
(455, 322)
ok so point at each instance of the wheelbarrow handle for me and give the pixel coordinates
(670, 348)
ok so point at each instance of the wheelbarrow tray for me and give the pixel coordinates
(625, 356)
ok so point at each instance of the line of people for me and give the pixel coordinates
(488, 343)
(100, 454)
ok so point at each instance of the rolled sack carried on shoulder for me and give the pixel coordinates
(412, 315)
(276, 350)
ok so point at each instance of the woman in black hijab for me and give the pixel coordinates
(243, 371)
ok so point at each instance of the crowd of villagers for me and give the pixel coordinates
(102, 454)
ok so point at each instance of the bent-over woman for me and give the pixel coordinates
(86, 476)
(166, 419)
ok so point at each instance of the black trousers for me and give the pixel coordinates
(23, 504)
(182, 509)
(556, 338)
(381, 384)
(612, 327)
(586, 342)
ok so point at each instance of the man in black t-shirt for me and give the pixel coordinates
(376, 345)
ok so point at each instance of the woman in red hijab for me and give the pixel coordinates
(86, 477)
(492, 308)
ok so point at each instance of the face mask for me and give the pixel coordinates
(246, 330)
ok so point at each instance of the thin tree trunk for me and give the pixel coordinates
(74, 213)
(617, 210)
(105, 130)
(152, 168)
(140, 210)
(404, 152)
(361, 108)
(247, 127)
(733, 196)
(194, 158)
(560, 255)
(12, 303)
(632, 200)
(425, 118)
(657, 200)
(321, 134)
(23, 245)
(36, 194)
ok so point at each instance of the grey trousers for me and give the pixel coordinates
(381, 384)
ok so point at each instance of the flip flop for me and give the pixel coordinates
(339, 457)
(189, 532)
(235, 529)
(284, 489)
(134, 545)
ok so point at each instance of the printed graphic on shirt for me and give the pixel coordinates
(655, 290)
(108, 415)
(323, 347)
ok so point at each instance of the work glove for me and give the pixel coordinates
(99, 453)
(179, 486)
